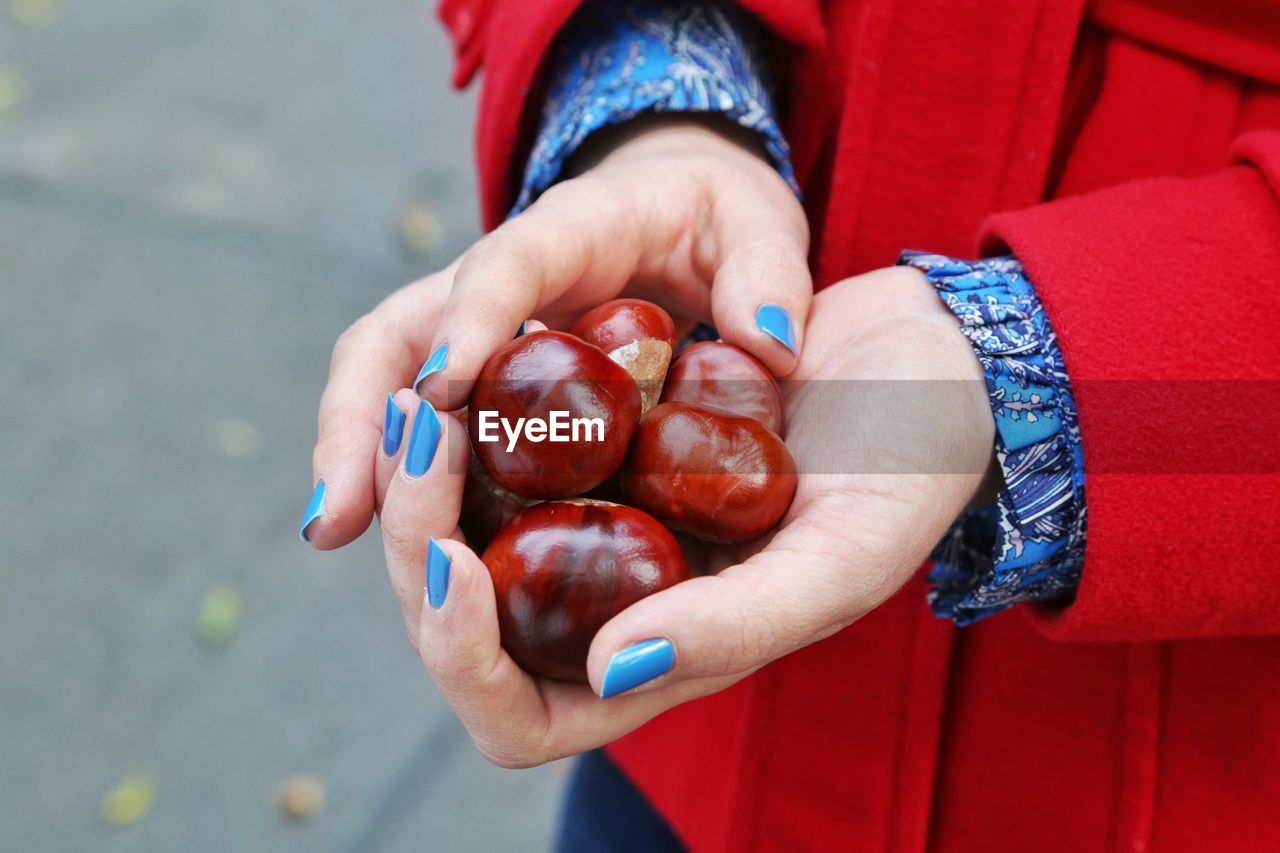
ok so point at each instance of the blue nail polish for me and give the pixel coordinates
(392, 428)
(524, 327)
(315, 509)
(435, 364)
(775, 322)
(637, 664)
(422, 441)
(437, 574)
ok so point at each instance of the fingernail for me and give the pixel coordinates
(422, 441)
(437, 574)
(392, 428)
(315, 509)
(523, 328)
(775, 322)
(637, 664)
(435, 364)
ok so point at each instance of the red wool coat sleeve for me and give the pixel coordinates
(1147, 283)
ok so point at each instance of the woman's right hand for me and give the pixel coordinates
(673, 210)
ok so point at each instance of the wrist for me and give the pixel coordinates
(708, 142)
(899, 305)
(668, 133)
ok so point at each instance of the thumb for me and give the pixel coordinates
(791, 594)
(762, 292)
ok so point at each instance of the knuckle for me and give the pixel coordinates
(398, 535)
(557, 196)
(504, 247)
(754, 643)
(353, 337)
(758, 644)
(506, 755)
(773, 255)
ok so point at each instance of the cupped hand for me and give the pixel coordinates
(678, 211)
(888, 419)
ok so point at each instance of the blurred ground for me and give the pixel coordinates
(195, 199)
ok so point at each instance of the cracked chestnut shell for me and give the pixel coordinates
(562, 569)
(720, 477)
(725, 377)
(531, 377)
(638, 335)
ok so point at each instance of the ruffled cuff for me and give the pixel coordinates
(1029, 546)
(616, 61)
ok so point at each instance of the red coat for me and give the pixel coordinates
(1128, 152)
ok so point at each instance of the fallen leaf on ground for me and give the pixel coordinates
(420, 230)
(12, 90)
(235, 437)
(219, 615)
(300, 797)
(35, 13)
(130, 800)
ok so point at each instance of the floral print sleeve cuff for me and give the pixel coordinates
(616, 61)
(1029, 546)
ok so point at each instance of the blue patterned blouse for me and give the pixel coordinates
(615, 61)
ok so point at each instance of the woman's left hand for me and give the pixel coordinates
(886, 463)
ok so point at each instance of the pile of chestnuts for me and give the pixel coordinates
(576, 530)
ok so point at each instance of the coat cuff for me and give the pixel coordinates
(617, 61)
(1029, 546)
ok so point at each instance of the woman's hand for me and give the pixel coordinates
(888, 418)
(680, 211)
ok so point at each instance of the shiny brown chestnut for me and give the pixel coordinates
(722, 376)
(636, 334)
(720, 477)
(562, 569)
(540, 384)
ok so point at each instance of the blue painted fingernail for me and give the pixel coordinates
(524, 327)
(422, 441)
(435, 364)
(637, 664)
(315, 509)
(437, 574)
(392, 428)
(775, 322)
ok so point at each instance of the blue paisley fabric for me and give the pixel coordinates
(616, 61)
(1029, 546)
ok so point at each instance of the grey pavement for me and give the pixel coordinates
(195, 199)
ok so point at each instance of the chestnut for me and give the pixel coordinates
(551, 415)
(721, 376)
(486, 506)
(562, 569)
(636, 334)
(720, 477)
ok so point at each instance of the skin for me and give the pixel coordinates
(693, 218)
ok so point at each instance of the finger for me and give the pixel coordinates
(423, 500)
(531, 326)
(375, 355)
(458, 641)
(514, 719)
(800, 589)
(396, 412)
(763, 289)
(575, 237)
